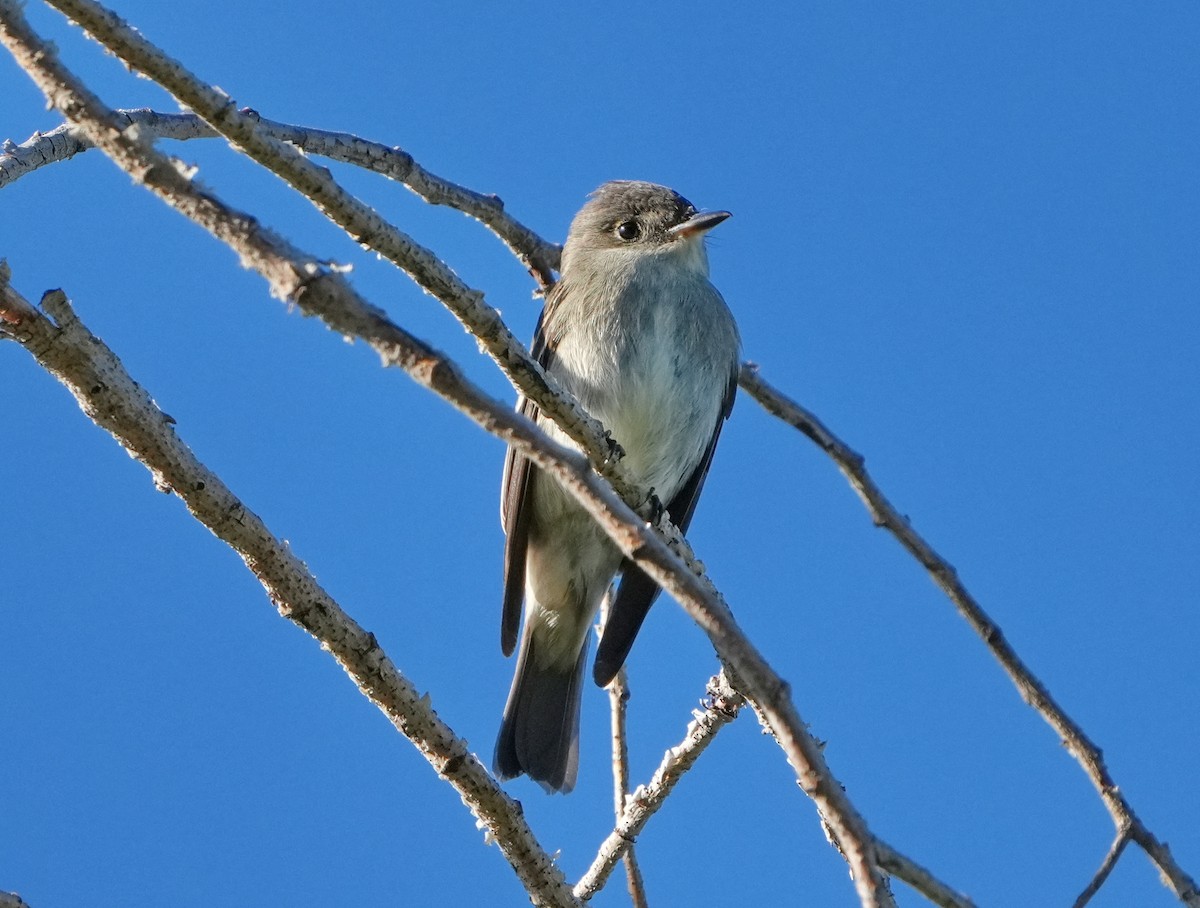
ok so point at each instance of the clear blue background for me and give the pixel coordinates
(964, 234)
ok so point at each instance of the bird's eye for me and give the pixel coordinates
(629, 230)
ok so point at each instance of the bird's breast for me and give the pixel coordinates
(654, 366)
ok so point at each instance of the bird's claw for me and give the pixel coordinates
(615, 451)
(654, 508)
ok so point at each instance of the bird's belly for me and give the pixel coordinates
(662, 412)
(656, 376)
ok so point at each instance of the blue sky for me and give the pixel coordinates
(965, 235)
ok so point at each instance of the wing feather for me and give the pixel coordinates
(515, 487)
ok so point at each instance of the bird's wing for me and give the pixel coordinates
(515, 488)
(637, 591)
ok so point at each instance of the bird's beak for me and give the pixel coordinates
(698, 224)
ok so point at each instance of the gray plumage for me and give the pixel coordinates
(637, 333)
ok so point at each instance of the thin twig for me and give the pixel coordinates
(722, 703)
(618, 694)
(316, 291)
(540, 257)
(1031, 689)
(1106, 867)
(721, 706)
(920, 879)
(116, 403)
(618, 700)
(636, 885)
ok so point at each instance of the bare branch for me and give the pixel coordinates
(920, 879)
(537, 255)
(323, 294)
(1106, 867)
(1032, 691)
(116, 403)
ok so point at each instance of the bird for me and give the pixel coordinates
(638, 334)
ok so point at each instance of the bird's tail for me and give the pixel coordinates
(539, 734)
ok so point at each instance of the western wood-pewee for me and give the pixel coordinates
(637, 333)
